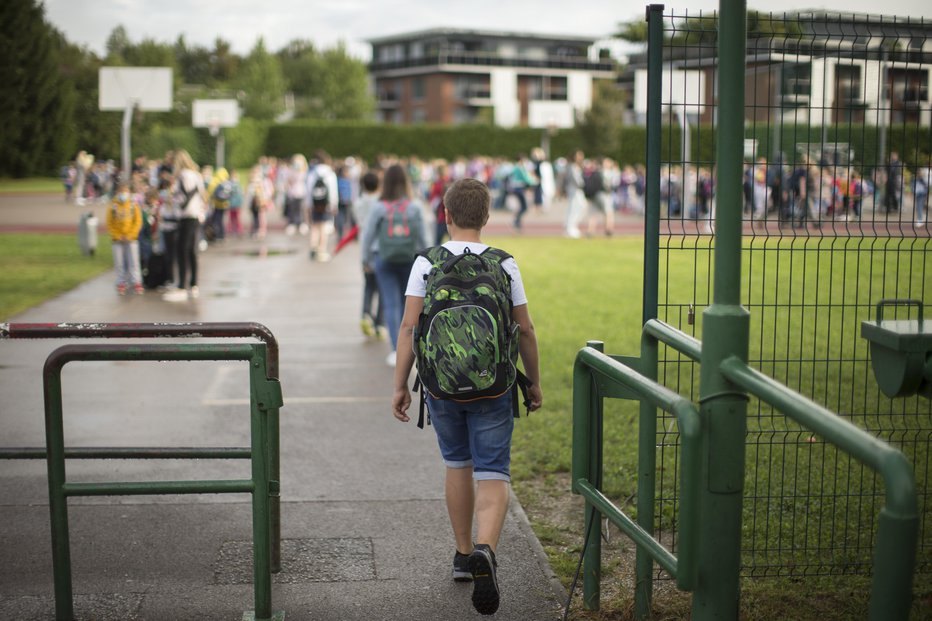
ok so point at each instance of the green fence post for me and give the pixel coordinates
(647, 421)
(58, 501)
(592, 563)
(646, 490)
(652, 180)
(723, 406)
(261, 518)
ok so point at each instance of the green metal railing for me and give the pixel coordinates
(898, 528)
(265, 396)
(597, 376)
(94, 330)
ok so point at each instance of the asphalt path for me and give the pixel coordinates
(364, 525)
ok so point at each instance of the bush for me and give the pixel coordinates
(246, 143)
(426, 141)
(160, 139)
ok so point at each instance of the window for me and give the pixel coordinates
(849, 95)
(796, 83)
(417, 88)
(545, 88)
(472, 87)
(391, 53)
(848, 84)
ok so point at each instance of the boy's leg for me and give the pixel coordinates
(491, 508)
(460, 496)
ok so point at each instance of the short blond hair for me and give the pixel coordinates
(467, 203)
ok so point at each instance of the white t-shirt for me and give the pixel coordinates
(417, 287)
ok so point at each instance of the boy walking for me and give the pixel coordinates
(474, 436)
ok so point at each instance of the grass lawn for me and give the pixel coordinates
(36, 267)
(31, 184)
(592, 290)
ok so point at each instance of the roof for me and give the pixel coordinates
(433, 33)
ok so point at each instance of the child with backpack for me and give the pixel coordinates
(466, 321)
(124, 221)
(372, 324)
(392, 236)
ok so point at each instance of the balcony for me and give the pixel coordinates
(474, 94)
(388, 100)
(485, 59)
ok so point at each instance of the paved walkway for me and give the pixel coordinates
(364, 525)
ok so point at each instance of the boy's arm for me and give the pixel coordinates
(527, 348)
(401, 397)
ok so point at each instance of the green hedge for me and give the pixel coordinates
(426, 141)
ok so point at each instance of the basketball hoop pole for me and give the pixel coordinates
(221, 145)
(125, 137)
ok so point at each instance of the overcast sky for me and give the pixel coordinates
(89, 22)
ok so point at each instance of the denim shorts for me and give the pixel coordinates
(476, 434)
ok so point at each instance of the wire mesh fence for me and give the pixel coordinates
(838, 153)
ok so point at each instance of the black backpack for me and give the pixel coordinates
(320, 196)
(593, 184)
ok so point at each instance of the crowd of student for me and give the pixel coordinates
(806, 192)
(169, 209)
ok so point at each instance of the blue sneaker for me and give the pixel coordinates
(485, 594)
(461, 571)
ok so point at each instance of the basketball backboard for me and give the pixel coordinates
(148, 88)
(215, 113)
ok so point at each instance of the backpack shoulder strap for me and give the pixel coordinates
(435, 254)
(496, 254)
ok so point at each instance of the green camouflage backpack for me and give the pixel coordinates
(466, 343)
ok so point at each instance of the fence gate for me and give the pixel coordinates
(838, 151)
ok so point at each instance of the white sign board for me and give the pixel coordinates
(215, 113)
(149, 88)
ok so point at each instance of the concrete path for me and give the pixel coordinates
(364, 525)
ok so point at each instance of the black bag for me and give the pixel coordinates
(320, 196)
(154, 272)
(593, 184)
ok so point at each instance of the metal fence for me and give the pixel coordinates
(838, 151)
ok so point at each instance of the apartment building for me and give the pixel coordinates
(454, 76)
(829, 68)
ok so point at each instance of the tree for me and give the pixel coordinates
(329, 85)
(117, 42)
(601, 126)
(193, 62)
(632, 32)
(262, 84)
(224, 63)
(95, 131)
(36, 105)
(344, 86)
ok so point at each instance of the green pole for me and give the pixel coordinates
(647, 422)
(592, 563)
(646, 490)
(261, 519)
(652, 179)
(58, 502)
(723, 408)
